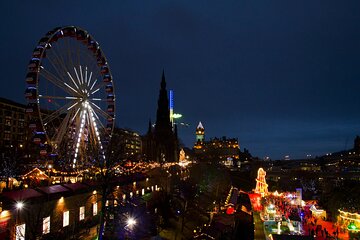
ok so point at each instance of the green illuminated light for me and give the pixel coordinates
(177, 115)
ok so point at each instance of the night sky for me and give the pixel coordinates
(281, 76)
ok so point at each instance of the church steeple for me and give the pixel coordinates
(163, 112)
(161, 143)
(163, 82)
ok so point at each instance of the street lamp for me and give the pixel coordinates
(49, 167)
(19, 205)
(19, 228)
(130, 222)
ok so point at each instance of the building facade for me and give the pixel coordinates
(129, 143)
(64, 211)
(14, 124)
(216, 149)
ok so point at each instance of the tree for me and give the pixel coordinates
(8, 167)
(105, 161)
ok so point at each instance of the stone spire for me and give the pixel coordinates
(163, 113)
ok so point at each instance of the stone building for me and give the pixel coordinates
(160, 143)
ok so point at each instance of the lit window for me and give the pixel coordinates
(95, 209)
(66, 218)
(46, 225)
(20, 232)
(82, 213)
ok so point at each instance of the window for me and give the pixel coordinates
(20, 232)
(82, 213)
(6, 136)
(95, 209)
(46, 225)
(66, 219)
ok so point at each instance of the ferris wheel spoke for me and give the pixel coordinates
(81, 75)
(56, 113)
(97, 117)
(89, 79)
(57, 137)
(58, 97)
(98, 87)
(54, 79)
(100, 111)
(58, 82)
(78, 56)
(98, 99)
(92, 86)
(72, 79)
(69, 53)
(59, 61)
(92, 64)
(77, 111)
(85, 79)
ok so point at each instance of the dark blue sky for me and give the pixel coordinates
(282, 76)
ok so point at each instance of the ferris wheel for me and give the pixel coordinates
(70, 94)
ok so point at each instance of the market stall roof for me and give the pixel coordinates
(76, 186)
(21, 195)
(54, 189)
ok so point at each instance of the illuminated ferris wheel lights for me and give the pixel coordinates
(72, 98)
(92, 86)
(85, 74)
(67, 70)
(95, 91)
(81, 75)
(95, 105)
(73, 80)
(71, 106)
(77, 76)
(70, 87)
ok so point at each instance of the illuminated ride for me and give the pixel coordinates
(261, 185)
(70, 95)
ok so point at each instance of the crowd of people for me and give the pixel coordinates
(310, 225)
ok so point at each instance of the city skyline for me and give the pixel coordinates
(281, 77)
